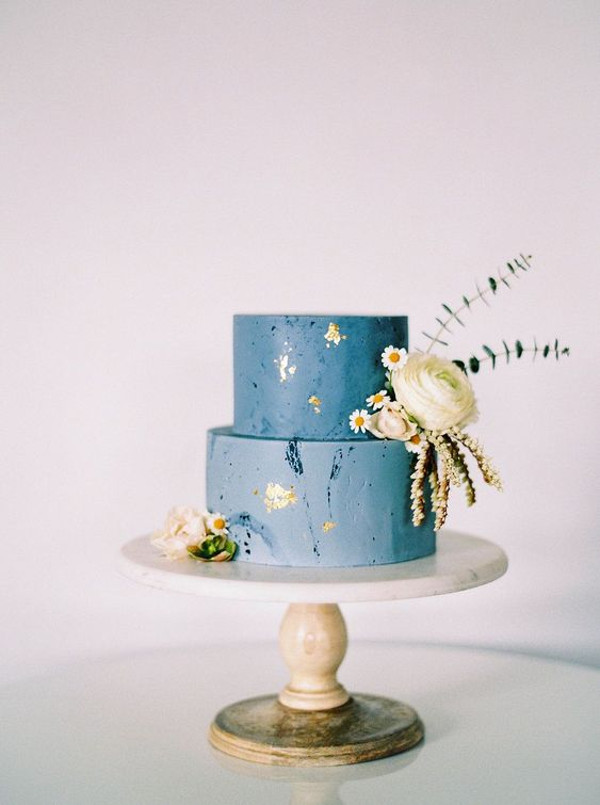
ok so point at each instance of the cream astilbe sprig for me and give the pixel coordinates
(417, 488)
(441, 499)
(440, 443)
(434, 482)
(490, 474)
(439, 494)
(460, 462)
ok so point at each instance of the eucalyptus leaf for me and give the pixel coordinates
(491, 354)
(474, 364)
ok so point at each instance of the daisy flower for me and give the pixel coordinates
(378, 400)
(359, 420)
(216, 524)
(415, 443)
(393, 358)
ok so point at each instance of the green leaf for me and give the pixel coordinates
(491, 354)
(518, 349)
(434, 340)
(556, 347)
(493, 284)
(461, 365)
(473, 364)
(481, 296)
(443, 325)
(452, 313)
(466, 302)
(506, 351)
(546, 351)
(521, 266)
(511, 268)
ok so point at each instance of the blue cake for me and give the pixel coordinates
(297, 486)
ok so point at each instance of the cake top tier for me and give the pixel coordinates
(302, 376)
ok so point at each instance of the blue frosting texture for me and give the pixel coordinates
(315, 503)
(302, 376)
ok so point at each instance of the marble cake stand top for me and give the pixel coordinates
(461, 562)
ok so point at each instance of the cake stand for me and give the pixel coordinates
(314, 720)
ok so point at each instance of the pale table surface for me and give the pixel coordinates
(131, 730)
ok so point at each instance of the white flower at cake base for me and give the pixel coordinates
(393, 358)
(201, 535)
(391, 422)
(435, 392)
(360, 420)
(183, 528)
(378, 400)
(215, 523)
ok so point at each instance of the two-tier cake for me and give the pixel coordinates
(297, 486)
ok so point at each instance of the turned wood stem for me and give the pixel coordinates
(313, 643)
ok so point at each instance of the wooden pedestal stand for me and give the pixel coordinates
(314, 720)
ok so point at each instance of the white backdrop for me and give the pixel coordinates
(168, 164)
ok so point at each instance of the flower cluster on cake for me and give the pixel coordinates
(298, 480)
(426, 403)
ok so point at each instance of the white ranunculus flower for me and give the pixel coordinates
(435, 392)
(391, 423)
(183, 528)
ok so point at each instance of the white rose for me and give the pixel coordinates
(183, 528)
(391, 423)
(435, 392)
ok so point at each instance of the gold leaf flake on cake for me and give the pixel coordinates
(328, 525)
(255, 491)
(315, 402)
(333, 335)
(285, 370)
(277, 497)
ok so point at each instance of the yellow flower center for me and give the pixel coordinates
(394, 357)
(219, 523)
(377, 398)
(415, 439)
(359, 421)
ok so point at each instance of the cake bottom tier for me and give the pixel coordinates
(310, 503)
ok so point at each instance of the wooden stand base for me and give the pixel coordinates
(314, 721)
(365, 728)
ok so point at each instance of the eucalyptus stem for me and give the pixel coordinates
(474, 362)
(492, 287)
